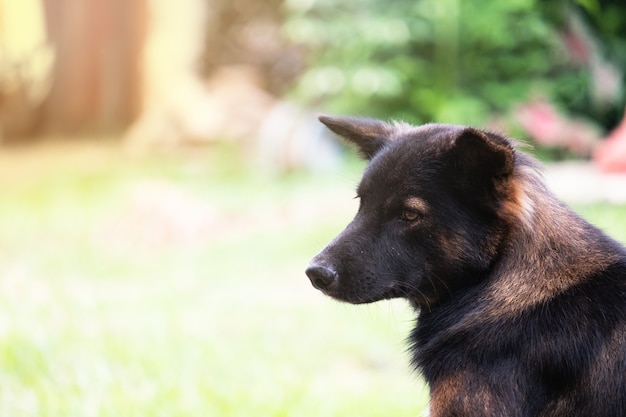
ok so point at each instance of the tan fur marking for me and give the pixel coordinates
(450, 394)
(518, 205)
(416, 203)
(442, 393)
(542, 258)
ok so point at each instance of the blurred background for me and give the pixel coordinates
(164, 183)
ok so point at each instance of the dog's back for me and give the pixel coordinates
(522, 304)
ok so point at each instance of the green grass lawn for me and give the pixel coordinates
(174, 286)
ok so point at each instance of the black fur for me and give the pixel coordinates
(522, 304)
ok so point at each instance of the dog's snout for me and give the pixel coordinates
(321, 276)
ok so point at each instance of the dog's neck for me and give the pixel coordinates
(550, 250)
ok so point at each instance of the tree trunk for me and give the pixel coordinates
(96, 76)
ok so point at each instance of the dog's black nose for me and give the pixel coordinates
(321, 276)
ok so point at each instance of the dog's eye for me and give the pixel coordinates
(409, 215)
(413, 208)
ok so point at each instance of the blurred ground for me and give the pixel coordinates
(173, 285)
(582, 182)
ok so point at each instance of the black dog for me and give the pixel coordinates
(522, 304)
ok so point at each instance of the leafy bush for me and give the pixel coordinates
(453, 60)
(430, 60)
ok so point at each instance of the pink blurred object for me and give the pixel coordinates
(549, 127)
(610, 155)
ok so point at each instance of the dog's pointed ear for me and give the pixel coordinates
(480, 156)
(369, 135)
(478, 162)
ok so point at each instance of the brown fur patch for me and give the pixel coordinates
(457, 394)
(539, 263)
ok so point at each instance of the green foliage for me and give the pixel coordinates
(458, 61)
(421, 61)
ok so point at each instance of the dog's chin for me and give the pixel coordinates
(361, 298)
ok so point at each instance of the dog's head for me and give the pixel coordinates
(429, 219)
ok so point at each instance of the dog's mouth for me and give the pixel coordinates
(357, 299)
(364, 298)
(339, 294)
